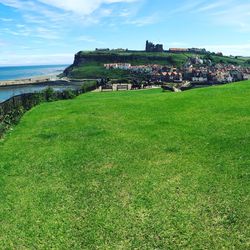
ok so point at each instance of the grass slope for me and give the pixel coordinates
(94, 70)
(94, 65)
(127, 170)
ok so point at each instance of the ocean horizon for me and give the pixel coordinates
(22, 72)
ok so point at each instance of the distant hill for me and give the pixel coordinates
(91, 64)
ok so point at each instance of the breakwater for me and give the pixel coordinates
(28, 81)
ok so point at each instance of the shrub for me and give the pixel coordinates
(89, 86)
(248, 61)
(68, 94)
(49, 94)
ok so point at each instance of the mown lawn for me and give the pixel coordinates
(129, 170)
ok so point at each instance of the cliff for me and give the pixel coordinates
(91, 64)
(82, 58)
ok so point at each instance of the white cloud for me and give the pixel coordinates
(213, 5)
(231, 13)
(42, 32)
(143, 21)
(237, 16)
(59, 16)
(84, 7)
(6, 19)
(86, 12)
(88, 39)
(189, 5)
(18, 4)
(20, 26)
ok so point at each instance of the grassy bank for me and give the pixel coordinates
(90, 65)
(143, 169)
(94, 70)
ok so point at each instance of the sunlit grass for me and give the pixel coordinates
(127, 170)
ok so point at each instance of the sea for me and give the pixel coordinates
(24, 72)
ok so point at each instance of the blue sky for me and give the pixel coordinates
(52, 31)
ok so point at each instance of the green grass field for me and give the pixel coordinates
(129, 170)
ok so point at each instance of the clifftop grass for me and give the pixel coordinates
(89, 64)
(126, 170)
(176, 56)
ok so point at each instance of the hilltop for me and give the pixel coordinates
(90, 64)
(129, 170)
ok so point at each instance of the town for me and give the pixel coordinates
(196, 70)
(195, 73)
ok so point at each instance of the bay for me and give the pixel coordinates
(23, 72)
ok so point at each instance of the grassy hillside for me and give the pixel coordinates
(91, 64)
(94, 70)
(127, 170)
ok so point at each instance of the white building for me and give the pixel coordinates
(199, 79)
(124, 66)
